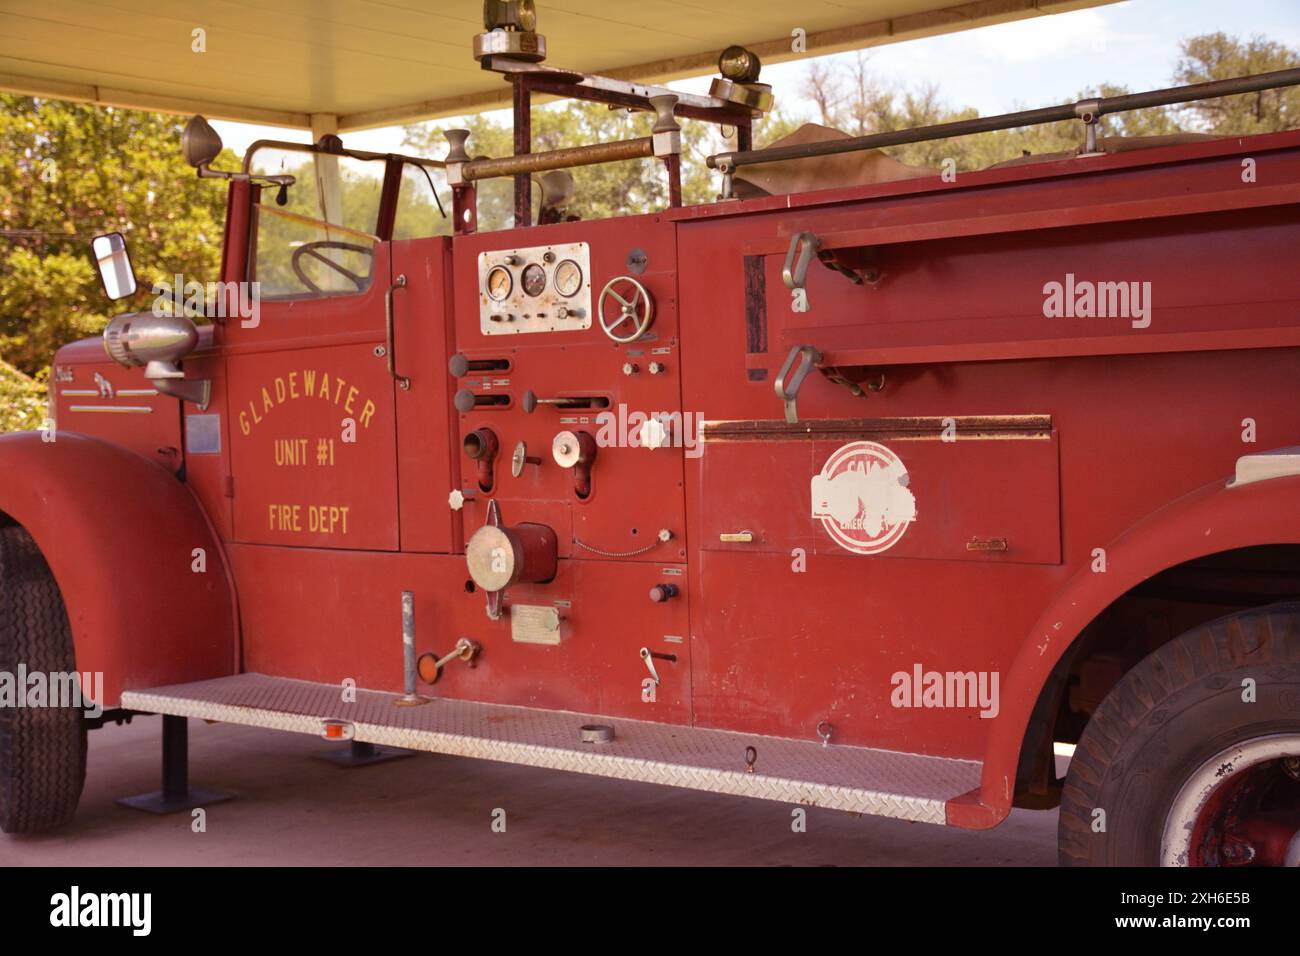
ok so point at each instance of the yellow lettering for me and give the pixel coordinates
(266, 400)
(366, 413)
(327, 519)
(280, 392)
(352, 394)
(339, 390)
(293, 384)
(324, 386)
(243, 423)
(308, 380)
(256, 418)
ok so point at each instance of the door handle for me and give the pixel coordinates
(401, 380)
(736, 537)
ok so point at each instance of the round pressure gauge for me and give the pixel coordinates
(568, 278)
(499, 283)
(534, 279)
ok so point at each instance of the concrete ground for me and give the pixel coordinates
(431, 809)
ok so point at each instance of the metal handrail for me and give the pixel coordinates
(1086, 110)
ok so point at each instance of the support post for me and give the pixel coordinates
(523, 126)
(176, 793)
(674, 165)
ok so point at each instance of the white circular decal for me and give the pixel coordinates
(862, 498)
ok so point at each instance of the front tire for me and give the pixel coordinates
(1193, 758)
(42, 749)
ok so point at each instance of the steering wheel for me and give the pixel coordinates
(313, 249)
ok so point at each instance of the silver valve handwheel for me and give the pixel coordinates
(636, 309)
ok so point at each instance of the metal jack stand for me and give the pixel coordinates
(176, 793)
(358, 754)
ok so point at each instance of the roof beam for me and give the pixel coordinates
(153, 102)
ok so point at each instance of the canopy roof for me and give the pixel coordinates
(382, 62)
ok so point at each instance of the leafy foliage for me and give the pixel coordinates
(69, 171)
(22, 399)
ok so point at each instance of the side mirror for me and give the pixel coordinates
(113, 263)
(200, 143)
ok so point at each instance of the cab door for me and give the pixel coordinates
(311, 395)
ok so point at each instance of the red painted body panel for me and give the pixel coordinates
(119, 534)
(328, 616)
(294, 383)
(1141, 425)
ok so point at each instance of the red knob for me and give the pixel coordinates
(662, 592)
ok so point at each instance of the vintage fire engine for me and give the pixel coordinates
(862, 487)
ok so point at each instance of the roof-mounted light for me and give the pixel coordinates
(510, 31)
(739, 65)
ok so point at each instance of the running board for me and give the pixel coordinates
(858, 779)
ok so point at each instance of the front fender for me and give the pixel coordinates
(1212, 519)
(119, 534)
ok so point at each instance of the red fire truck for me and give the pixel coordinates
(863, 487)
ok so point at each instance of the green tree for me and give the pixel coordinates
(1216, 56)
(849, 97)
(22, 399)
(69, 171)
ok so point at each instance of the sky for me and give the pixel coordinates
(1037, 62)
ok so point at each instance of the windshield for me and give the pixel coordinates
(321, 242)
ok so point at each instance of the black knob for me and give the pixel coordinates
(662, 592)
(458, 365)
(466, 401)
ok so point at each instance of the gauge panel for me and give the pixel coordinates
(537, 289)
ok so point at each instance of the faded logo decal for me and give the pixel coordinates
(862, 498)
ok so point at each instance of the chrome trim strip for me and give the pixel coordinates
(125, 409)
(1261, 466)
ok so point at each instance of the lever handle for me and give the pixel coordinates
(787, 385)
(802, 247)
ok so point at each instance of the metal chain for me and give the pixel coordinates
(617, 554)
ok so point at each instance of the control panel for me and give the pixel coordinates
(537, 289)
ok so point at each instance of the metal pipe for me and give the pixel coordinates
(410, 671)
(523, 127)
(558, 159)
(985, 124)
(408, 642)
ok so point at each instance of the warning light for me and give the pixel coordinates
(337, 730)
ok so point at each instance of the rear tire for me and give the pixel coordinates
(42, 749)
(1151, 738)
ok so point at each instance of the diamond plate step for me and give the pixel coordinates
(858, 779)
